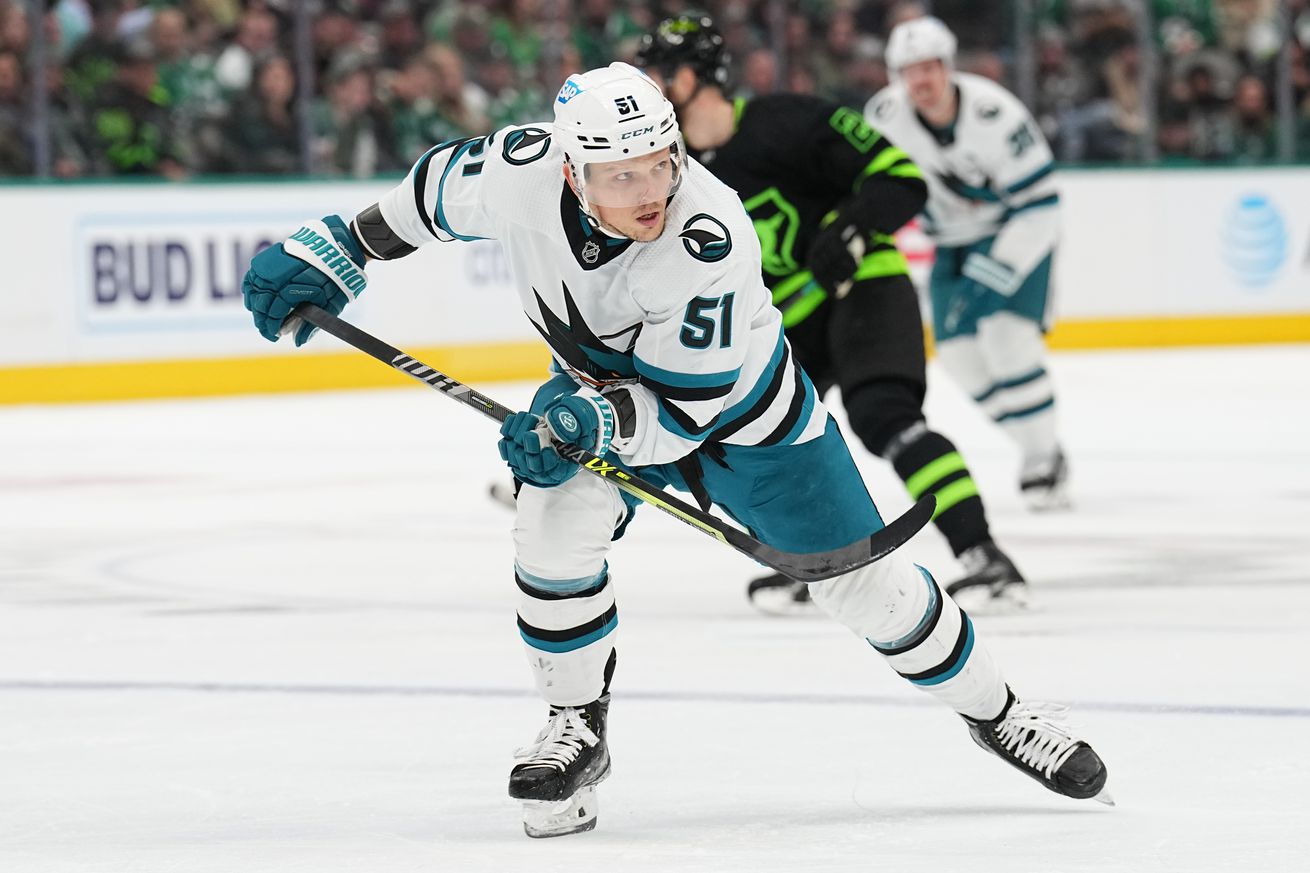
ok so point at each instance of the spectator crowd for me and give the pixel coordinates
(176, 88)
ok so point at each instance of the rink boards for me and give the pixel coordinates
(134, 290)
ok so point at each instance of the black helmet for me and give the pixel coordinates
(687, 39)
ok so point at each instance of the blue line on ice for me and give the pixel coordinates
(740, 697)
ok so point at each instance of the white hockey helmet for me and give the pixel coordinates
(920, 39)
(613, 114)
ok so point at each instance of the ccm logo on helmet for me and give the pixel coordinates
(634, 133)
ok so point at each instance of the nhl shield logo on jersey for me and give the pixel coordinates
(590, 252)
(526, 145)
(706, 238)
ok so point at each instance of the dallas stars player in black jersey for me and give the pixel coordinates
(825, 192)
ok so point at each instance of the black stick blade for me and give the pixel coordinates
(825, 565)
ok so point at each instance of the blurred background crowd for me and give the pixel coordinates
(177, 88)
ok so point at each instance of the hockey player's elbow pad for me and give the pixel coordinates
(322, 263)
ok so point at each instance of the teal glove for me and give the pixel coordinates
(585, 419)
(322, 263)
(525, 445)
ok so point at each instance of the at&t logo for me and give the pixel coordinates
(1254, 243)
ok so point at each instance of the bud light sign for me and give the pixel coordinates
(163, 272)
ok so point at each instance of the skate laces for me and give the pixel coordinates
(559, 741)
(1037, 735)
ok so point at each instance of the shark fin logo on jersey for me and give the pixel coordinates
(585, 355)
(980, 193)
(706, 238)
(590, 252)
(526, 145)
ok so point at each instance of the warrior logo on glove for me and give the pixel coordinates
(331, 256)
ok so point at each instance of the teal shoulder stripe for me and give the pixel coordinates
(960, 188)
(441, 186)
(1031, 179)
(685, 380)
(1039, 203)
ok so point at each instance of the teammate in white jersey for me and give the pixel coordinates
(642, 273)
(993, 212)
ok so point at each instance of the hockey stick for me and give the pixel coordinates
(807, 567)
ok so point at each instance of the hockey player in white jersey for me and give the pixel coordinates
(642, 273)
(993, 212)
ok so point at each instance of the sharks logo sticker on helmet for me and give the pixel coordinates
(706, 238)
(526, 145)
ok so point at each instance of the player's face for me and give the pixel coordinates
(677, 89)
(630, 196)
(927, 83)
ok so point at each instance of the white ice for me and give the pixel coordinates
(277, 634)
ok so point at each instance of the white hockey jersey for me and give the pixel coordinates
(993, 175)
(684, 321)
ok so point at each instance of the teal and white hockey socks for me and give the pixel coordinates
(900, 610)
(568, 633)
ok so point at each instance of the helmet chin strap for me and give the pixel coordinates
(601, 226)
(612, 232)
(595, 220)
(592, 218)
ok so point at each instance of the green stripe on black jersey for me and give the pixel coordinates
(792, 160)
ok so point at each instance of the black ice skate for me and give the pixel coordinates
(991, 585)
(1046, 486)
(1034, 738)
(780, 595)
(557, 775)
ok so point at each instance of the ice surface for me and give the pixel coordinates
(277, 634)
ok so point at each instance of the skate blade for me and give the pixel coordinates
(1104, 797)
(1047, 501)
(559, 818)
(780, 601)
(1012, 600)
